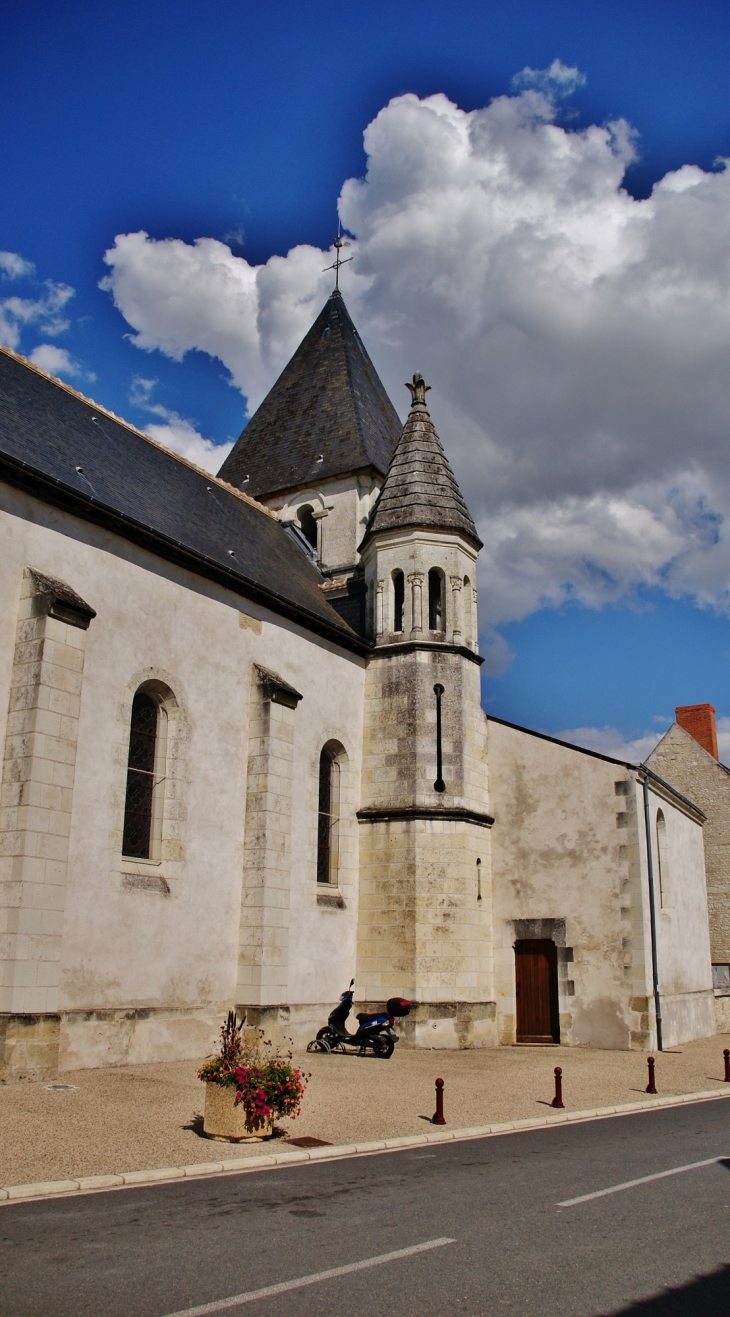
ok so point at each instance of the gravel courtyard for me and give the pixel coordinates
(140, 1117)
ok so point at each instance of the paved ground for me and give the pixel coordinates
(139, 1117)
(489, 1213)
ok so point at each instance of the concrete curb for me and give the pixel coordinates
(236, 1166)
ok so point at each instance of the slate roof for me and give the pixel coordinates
(420, 489)
(74, 453)
(328, 402)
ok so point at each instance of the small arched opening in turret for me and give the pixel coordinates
(435, 600)
(308, 524)
(468, 614)
(399, 595)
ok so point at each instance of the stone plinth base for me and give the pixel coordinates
(28, 1046)
(722, 1014)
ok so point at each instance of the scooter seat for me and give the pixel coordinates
(365, 1019)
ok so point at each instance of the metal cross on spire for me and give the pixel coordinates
(338, 244)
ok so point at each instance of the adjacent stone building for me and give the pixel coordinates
(687, 757)
(245, 757)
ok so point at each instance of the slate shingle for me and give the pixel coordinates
(420, 489)
(107, 470)
(328, 401)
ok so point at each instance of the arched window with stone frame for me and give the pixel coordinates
(663, 862)
(399, 599)
(436, 620)
(329, 813)
(145, 788)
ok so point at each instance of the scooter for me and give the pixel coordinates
(374, 1032)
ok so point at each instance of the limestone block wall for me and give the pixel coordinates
(399, 746)
(340, 507)
(683, 940)
(687, 766)
(425, 929)
(263, 955)
(35, 822)
(569, 862)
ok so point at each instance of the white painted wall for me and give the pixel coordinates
(176, 954)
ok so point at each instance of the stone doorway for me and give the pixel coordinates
(536, 991)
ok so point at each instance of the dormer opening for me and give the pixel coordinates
(435, 600)
(308, 524)
(399, 595)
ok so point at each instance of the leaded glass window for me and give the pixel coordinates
(139, 805)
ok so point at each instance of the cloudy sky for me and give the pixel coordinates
(539, 217)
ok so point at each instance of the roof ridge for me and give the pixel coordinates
(141, 434)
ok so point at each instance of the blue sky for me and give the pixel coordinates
(241, 123)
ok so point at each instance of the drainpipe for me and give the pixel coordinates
(652, 916)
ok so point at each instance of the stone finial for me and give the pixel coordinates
(418, 392)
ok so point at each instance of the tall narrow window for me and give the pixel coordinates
(139, 805)
(328, 818)
(308, 524)
(435, 601)
(665, 886)
(467, 607)
(399, 594)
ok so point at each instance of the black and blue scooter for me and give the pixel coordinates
(375, 1032)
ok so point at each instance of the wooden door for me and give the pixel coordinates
(536, 982)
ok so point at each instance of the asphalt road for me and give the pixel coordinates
(658, 1249)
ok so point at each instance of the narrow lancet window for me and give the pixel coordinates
(399, 594)
(139, 805)
(435, 601)
(665, 895)
(328, 817)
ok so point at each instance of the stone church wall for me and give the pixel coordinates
(146, 952)
(569, 864)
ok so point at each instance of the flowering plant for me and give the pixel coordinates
(266, 1083)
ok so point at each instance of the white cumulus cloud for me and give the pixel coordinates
(43, 310)
(610, 741)
(577, 340)
(57, 361)
(176, 432)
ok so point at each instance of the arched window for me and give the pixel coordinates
(145, 778)
(665, 886)
(328, 818)
(467, 607)
(399, 594)
(435, 601)
(308, 524)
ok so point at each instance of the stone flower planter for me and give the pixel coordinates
(226, 1119)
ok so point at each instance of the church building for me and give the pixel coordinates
(245, 758)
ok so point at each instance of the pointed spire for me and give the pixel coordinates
(327, 415)
(420, 489)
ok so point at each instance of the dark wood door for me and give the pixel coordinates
(536, 980)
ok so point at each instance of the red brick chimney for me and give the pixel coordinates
(699, 721)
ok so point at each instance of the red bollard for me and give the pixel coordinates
(726, 1054)
(438, 1116)
(651, 1086)
(558, 1099)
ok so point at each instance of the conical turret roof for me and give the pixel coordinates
(420, 489)
(328, 403)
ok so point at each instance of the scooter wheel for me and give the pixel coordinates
(383, 1047)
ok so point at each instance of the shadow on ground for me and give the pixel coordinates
(708, 1295)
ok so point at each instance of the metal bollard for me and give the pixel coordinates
(726, 1055)
(558, 1099)
(651, 1086)
(438, 1116)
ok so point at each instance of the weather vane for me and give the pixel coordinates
(338, 244)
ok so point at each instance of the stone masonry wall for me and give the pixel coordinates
(682, 762)
(35, 822)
